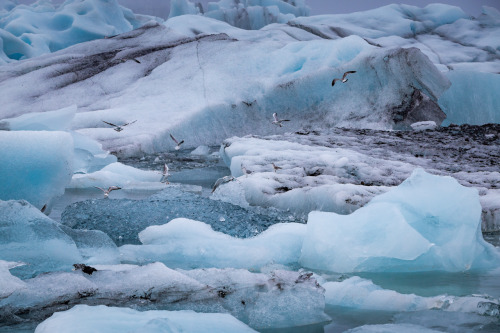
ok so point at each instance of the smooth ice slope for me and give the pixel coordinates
(427, 223)
(245, 14)
(28, 236)
(186, 244)
(84, 319)
(35, 165)
(29, 31)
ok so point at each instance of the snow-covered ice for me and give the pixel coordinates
(84, 318)
(427, 223)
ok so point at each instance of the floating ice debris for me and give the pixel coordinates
(8, 282)
(201, 151)
(84, 319)
(129, 217)
(424, 125)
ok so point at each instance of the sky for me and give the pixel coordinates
(318, 7)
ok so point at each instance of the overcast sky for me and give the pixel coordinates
(161, 7)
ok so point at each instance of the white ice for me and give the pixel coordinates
(84, 318)
(428, 223)
(184, 243)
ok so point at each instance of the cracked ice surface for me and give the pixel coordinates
(340, 170)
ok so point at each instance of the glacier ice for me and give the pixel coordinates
(97, 78)
(245, 14)
(31, 237)
(276, 299)
(392, 328)
(440, 221)
(35, 166)
(123, 219)
(187, 244)
(100, 318)
(29, 31)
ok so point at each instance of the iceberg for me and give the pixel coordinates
(35, 166)
(106, 319)
(8, 282)
(129, 217)
(188, 244)
(30, 31)
(439, 218)
(31, 237)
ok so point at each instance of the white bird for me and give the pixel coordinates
(245, 171)
(165, 174)
(344, 77)
(119, 128)
(106, 192)
(178, 143)
(221, 181)
(278, 122)
(275, 167)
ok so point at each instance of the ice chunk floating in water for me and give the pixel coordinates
(84, 319)
(191, 244)
(427, 223)
(34, 166)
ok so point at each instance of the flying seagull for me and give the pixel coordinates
(278, 122)
(165, 174)
(275, 167)
(106, 192)
(178, 143)
(119, 128)
(344, 77)
(221, 181)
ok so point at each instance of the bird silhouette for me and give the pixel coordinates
(178, 143)
(278, 122)
(344, 77)
(119, 128)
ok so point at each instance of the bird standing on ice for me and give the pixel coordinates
(165, 174)
(178, 143)
(106, 192)
(119, 128)
(221, 181)
(278, 122)
(344, 77)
